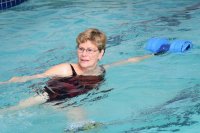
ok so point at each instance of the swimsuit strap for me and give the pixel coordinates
(73, 71)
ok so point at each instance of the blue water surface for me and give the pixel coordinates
(160, 94)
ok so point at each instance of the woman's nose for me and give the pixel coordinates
(84, 53)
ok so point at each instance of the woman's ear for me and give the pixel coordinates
(101, 54)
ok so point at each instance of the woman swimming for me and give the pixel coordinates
(68, 80)
(72, 79)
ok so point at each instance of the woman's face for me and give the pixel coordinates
(88, 55)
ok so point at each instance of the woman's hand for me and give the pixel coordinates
(17, 79)
(3, 83)
(23, 78)
(14, 80)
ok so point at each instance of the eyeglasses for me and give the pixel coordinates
(88, 50)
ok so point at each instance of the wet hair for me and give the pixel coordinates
(96, 36)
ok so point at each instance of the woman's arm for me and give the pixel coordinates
(23, 78)
(129, 60)
(61, 70)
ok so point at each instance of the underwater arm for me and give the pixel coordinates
(129, 60)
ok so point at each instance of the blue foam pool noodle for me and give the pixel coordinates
(180, 46)
(156, 44)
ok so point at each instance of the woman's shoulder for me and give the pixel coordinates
(60, 70)
(62, 66)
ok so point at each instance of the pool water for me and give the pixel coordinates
(160, 94)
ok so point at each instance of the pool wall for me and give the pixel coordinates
(4, 4)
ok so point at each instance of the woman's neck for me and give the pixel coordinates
(89, 71)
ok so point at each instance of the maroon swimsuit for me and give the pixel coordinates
(61, 88)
